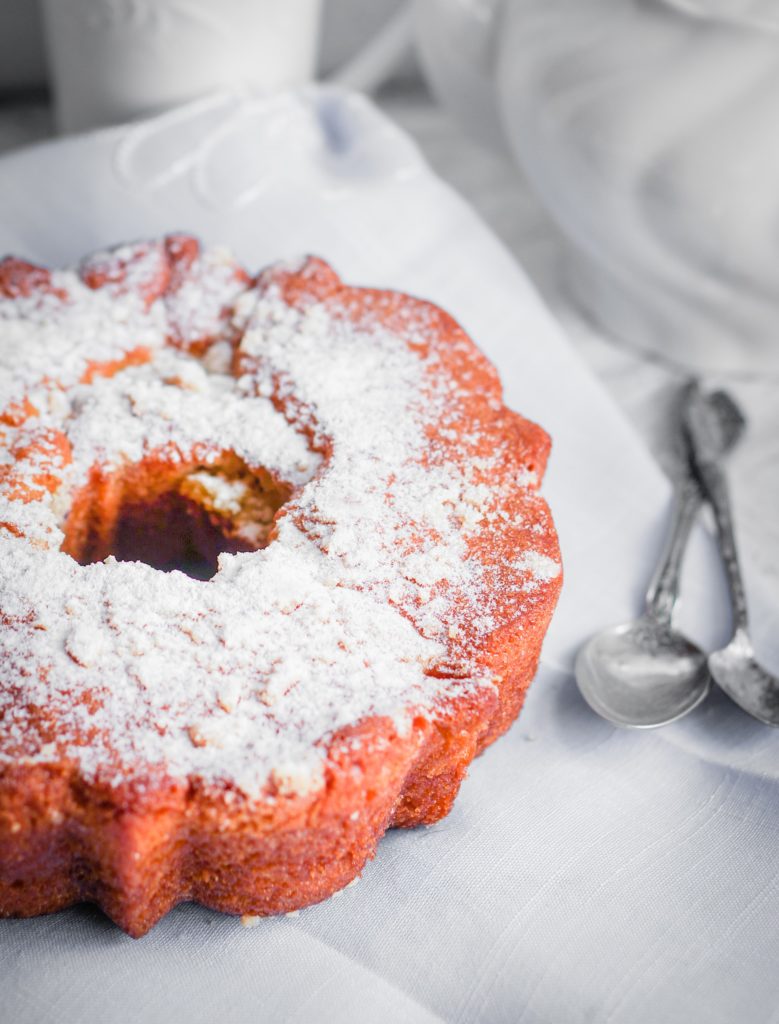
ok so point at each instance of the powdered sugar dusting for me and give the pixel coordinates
(540, 567)
(370, 584)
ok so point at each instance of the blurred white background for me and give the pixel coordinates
(347, 25)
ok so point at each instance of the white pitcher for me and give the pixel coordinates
(113, 60)
(651, 130)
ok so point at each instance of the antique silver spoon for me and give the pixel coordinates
(644, 673)
(734, 668)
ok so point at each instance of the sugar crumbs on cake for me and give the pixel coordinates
(243, 678)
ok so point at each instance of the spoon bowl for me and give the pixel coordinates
(642, 674)
(736, 670)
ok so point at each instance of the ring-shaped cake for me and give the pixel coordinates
(273, 570)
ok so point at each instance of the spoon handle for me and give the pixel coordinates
(702, 436)
(664, 589)
(724, 423)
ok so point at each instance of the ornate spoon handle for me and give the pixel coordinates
(664, 589)
(704, 432)
(726, 426)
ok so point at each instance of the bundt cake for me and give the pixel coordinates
(273, 568)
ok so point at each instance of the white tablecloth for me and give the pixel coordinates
(585, 874)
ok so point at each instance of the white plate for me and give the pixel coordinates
(588, 874)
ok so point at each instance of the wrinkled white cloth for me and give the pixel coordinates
(586, 873)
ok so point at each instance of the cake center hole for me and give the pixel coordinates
(174, 519)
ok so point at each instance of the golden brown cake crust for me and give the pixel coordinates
(139, 837)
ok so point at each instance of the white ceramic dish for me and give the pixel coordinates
(648, 129)
(590, 874)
